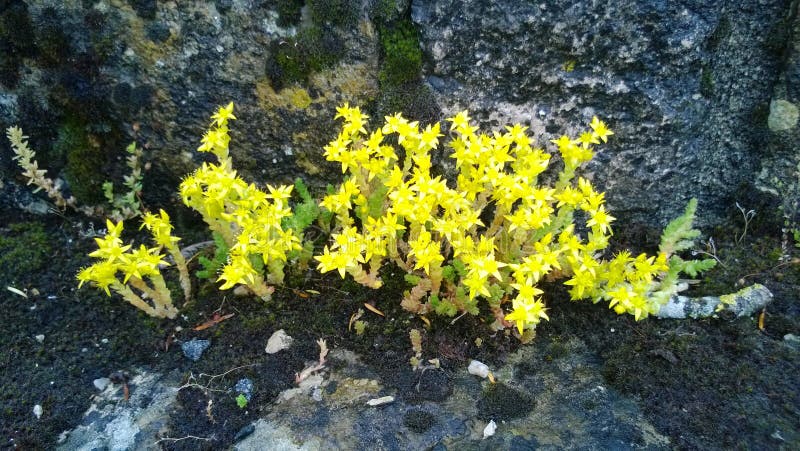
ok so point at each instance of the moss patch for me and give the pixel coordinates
(84, 161)
(293, 60)
(24, 248)
(402, 56)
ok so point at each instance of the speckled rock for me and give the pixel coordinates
(114, 423)
(194, 348)
(744, 302)
(685, 86)
(780, 171)
(154, 72)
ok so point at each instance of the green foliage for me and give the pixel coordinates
(402, 56)
(305, 212)
(679, 235)
(241, 401)
(84, 171)
(212, 266)
(127, 205)
(24, 249)
(385, 11)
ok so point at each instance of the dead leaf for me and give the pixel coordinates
(216, 319)
(373, 309)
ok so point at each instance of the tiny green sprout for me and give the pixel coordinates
(360, 326)
(241, 401)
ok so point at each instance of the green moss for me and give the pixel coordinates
(706, 82)
(289, 12)
(84, 162)
(24, 249)
(385, 11)
(293, 60)
(402, 56)
(341, 13)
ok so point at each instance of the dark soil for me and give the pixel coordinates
(715, 383)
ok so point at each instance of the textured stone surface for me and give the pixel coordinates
(685, 86)
(744, 302)
(780, 171)
(156, 73)
(116, 423)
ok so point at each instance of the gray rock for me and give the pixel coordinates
(782, 115)
(792, 339)
(684, 85)
(278, 341)
(101, 383)
(744, 302)
(244, 387)
(194, 348)
(115, 424)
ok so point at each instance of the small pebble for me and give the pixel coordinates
(101, 383)
(791, 339)
(490, 429)
(40, 338)
(244, 387)
(479, 369)
(380, 401)
(279, 341)
(194, 349)
(37, 411)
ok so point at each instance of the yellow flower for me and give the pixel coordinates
(425, 252)
(600, 220)
(527, 311)
(329, 261)
(101, 274)
(222, 115)
(600, 129)
(239, 270)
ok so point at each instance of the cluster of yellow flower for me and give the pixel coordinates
(493, 234)
(438, 233)
(247, 218)
(135, 266)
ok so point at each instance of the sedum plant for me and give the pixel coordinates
(137, 267)
(127, 205)
(247, 218)
(123, 206)
(161, 230)
(26, 160)
(495, 233)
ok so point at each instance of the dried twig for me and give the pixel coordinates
(211, 378)
(323, 352)
(188, 437)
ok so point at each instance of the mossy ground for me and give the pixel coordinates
(709, 383)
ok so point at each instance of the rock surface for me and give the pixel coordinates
(744, 302)
(116, 424)
(685, 86)
(564, 404)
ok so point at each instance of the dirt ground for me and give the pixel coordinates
(714, 383)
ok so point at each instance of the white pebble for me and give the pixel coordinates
(40, 338)
(490, 429)
(380, 401)
(479, 369)
(279, 341)
(37, 411)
